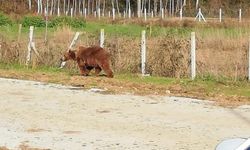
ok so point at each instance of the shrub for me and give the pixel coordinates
(68, 21)
(4, 20)
(39, 21)
(36, 21)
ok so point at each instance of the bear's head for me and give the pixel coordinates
(69, 55)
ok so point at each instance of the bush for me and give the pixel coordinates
(4, 20)
(68, 21)
(36, 21)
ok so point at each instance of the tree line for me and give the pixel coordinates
(172, 7)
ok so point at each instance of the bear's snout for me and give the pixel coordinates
(63, 58)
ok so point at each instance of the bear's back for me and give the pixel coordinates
(94, 51)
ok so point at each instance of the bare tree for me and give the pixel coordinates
(172, 7)
(75, 7)
(83, 5)
(197, 4)
(155, 7)
(64, 5)
(103, 7)
(68, 7)
(47, 6)
(29, 4)
(79, 6)
(38, 6)
(117, 6)
(93, 6)
(88, 7)
(139, 8)
(149, 6)
(58, 7)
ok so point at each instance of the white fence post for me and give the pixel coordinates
(85, 13)
(181, 13)
(70, 46)
(162, 13)
(220, 15)
(193, 61)
(71, 12)
(102, 38)
(240, 15)
(143, 52)
(74, 40)
(249, 60)
(145, 14)
(199, 15)
(28, 58)
(19, 32)
(46, 26)
(58, 11)
(124, 14)
(99, 13)
(113, 13)
(129, 13)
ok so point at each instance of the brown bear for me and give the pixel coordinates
(89, 58)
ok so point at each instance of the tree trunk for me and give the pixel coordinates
(103, 8)
(41, 6)
(38, 6)
(68, 7)
(197, 4)
(29, 4)
(88, 7)
(149, 6)
(75, 7)
(117, 6)
(58, 8)
(173, 7)
(51, 7)
(155, 7)
(47, 6)
(93, 6)
(64, 4)
(79, 7)
(139, 8)
(54, 6)
(83, 6)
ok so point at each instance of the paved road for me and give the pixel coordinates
(57, 117)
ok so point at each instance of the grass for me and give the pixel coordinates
(201, 87)
(150, 79)
(134, 30)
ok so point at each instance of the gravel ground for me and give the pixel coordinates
(61, 117)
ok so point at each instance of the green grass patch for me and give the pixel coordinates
(145, 79)
(131, 30)
(205, 85)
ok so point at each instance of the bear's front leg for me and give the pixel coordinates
(83, 70)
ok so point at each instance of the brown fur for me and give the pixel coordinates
(88, 58)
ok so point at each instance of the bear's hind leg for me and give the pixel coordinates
(97, 70)
(107, 70)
